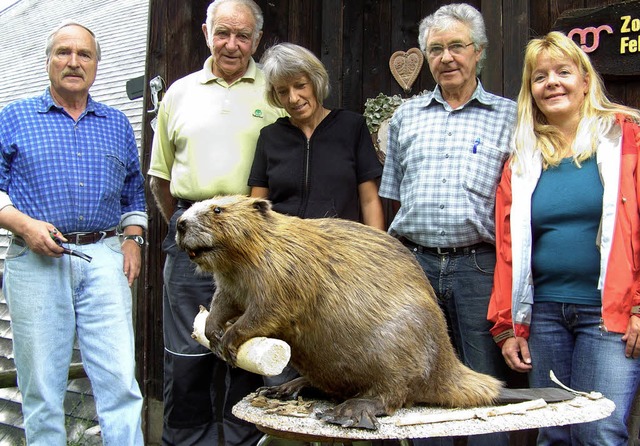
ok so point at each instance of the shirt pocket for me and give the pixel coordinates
(115, 173)
(482, 167)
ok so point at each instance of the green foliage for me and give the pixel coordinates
(377, 109)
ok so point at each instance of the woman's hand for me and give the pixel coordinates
(631, 338)
(516, 354)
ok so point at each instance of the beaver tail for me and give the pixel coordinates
(464, 387)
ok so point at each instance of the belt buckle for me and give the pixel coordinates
(80, 238)
(103, 235)
(445, 251)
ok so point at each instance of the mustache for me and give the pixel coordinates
(66, 73)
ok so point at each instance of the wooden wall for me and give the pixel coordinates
(544, 13)
(354, 38)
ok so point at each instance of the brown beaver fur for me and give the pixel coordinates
(352, 302)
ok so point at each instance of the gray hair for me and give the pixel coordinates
(52, 35)
(249, 4)
(448, 15)
(286, 61)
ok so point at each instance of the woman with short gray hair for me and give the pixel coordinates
(316, 162)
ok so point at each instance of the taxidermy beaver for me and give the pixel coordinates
(352, 302)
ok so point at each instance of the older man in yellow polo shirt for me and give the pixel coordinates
(208, 125)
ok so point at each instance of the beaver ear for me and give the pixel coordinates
(262, 206)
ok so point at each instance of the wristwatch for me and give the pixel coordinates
(136, 238)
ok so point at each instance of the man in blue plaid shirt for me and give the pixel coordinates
(444, 159)
(70, 182)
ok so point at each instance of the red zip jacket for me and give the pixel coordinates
(512, 296)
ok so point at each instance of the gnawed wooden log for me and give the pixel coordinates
(264, 356)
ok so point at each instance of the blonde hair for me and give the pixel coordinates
(534, 136)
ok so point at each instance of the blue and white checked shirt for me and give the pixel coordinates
(444, 165)
(80, 176)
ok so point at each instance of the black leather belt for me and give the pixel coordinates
(184, 204)
(86, 238)
(459, 250)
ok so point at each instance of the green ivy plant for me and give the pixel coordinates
(377, 109)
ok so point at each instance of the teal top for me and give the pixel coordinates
(566, 210)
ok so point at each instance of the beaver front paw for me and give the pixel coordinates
(356, 412)
(229, 347)
(215, 342)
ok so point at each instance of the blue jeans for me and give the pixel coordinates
(463, 283)
(51, 300)
(567, 339)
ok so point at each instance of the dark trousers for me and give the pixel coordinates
(199, 388)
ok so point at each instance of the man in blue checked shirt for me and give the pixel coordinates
(444, 159)
(70, 182)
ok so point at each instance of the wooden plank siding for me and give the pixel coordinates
(354, 39)
(175, 47)
(516, 21)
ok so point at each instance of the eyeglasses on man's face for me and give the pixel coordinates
(453, 48)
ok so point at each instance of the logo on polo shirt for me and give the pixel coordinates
(258, 113)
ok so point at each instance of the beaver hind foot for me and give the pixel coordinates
(355, 412)
(287, 391)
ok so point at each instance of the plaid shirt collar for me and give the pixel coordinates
(47, 103)
(479, 94)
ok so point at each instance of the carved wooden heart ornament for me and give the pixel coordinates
(406, 66)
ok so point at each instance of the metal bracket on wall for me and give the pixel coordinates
(156, 85)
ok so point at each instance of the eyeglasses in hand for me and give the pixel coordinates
(71, 252)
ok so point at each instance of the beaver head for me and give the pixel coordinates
(223, 229)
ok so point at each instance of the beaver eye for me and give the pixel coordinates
(217, 210)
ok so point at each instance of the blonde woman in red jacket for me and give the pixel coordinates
(566, 291)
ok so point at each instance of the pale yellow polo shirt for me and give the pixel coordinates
(207, 130)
